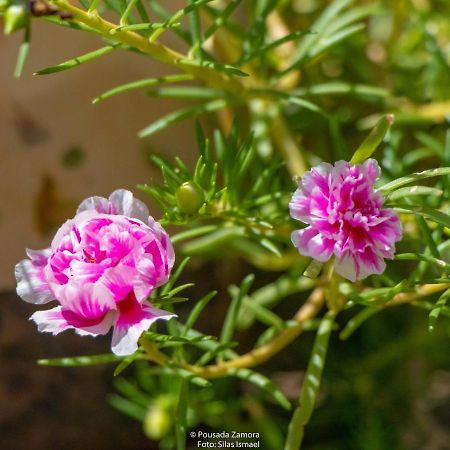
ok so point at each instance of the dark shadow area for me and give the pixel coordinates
(53, 407)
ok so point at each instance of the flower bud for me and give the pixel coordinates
(15, 18)
(157, 422)
(189, 197)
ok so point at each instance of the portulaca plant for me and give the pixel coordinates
(328, 214)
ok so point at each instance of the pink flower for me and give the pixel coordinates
(101, 267)
(345, 218)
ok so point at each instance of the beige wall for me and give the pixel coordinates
(42, 116)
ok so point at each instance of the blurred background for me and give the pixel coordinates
(388, 388)
(56, 149)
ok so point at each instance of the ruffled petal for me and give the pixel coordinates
(89, 301)
(372, 170)
(119, 281)
(318, 178)
(134, 318)
(57, 320)
(160, 260)
(50, 321)
(99, 329)
(357, 266)
(63, 230)
(85, 308)
(345, 266)
(386, 233)
(311, 196)
(39, 257)
(146, 278)
(310, 242)
(369, 263)
(339, 173)
(120, 202)
(166, 244)
(125, 204)
(98, 204)
(32, 285)
(68, 234)
(300, 206)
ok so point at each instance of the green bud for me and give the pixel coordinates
(189, 197)
(157, 422)
(15, 18)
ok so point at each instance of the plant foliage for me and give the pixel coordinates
(283, 84)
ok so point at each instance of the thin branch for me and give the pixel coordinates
(262, 354)
(156, 50)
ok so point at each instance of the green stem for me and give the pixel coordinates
(126, 14)
(289, 149)
(152, 353)
(181, 415)
(311, 384)
(262, 354)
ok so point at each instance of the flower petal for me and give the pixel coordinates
(89, 301)
(369, 263)
(63, 230)
(357, 266)
(125, 204)
(119, 281)
(310, 242)
(97, 329)
(50, 321)
(346, 267)
(385, 234)
(134, 318)
(32, 285)
(39, 257)
(166, 244)
(372, 170)
(98, 204)
(146, 279)
(57, 320)
(300, 206)
(317, 177)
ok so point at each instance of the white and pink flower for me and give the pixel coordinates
(345, 218)
(101, 268)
